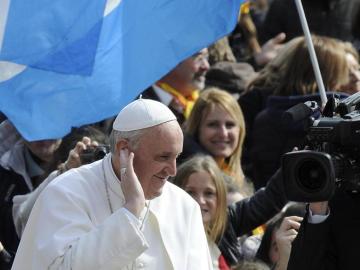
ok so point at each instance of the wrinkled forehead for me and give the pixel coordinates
(165, 139)
(169, 131)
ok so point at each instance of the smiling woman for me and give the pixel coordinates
(216, 127)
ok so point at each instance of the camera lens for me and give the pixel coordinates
(311, 175)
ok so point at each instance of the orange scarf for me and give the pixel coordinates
(187, 103)
(245, 8)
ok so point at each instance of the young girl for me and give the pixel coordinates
(201, 177)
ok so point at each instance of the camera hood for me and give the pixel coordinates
(308, 176)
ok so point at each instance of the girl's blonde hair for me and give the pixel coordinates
(202, 163)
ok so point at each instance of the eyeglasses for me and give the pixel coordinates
(201, 58)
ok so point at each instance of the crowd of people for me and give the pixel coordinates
(188, 175)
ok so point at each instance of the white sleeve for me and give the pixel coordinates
(132, 217)
(117, 242)
(68, 239)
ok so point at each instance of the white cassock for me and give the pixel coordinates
(71, 227)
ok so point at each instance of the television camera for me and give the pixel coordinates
(332, 157)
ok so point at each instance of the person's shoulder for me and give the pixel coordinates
(74, 180)
(177, 194)
(172, 189)
(14, 156)
(176, 204)
(191, 147)
(149, 93)
(4, 168)
(276, 6)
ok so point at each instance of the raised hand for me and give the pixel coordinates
(74, 159)
(284, 237)
(270, 49)
(130, 184)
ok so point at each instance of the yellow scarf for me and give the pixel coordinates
(245, 8)
(187, 103)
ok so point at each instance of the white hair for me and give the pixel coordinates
(132, 137)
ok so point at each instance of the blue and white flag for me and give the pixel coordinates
(68, 63)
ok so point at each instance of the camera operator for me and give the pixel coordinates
(328, 238)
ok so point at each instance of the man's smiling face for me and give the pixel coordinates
(155, 157)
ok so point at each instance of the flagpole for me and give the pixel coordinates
(311, 49)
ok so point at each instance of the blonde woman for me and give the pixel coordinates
(216, 127)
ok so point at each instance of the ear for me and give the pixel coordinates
(121, 144)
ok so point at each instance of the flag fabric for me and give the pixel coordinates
(48, 35)
(62, 75)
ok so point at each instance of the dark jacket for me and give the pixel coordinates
(6, 260)
(247, 214)
(251, 103)
(271, 138)
(11, 184)
(14, 180)
(334, 18)
(190, 148)
(333, 244)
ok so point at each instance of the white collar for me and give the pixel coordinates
(165, 97)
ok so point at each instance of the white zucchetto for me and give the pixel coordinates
(142, 113)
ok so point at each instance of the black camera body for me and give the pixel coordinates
(333, 156)
(95, 153)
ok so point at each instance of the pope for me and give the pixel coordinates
(120, 212)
